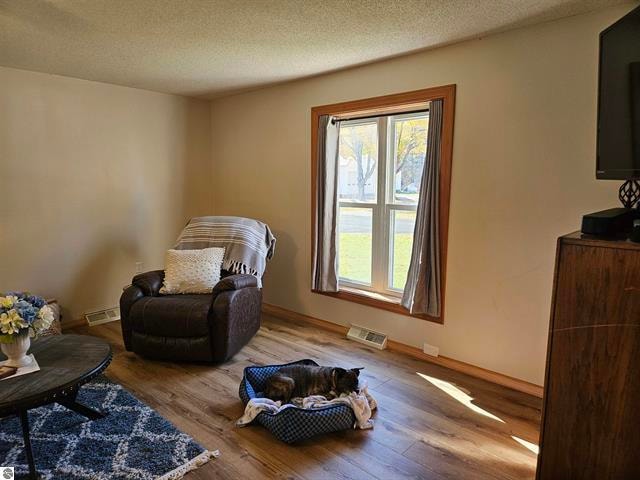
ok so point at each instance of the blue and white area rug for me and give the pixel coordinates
(132, 442)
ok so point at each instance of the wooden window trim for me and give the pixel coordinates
(382, 104)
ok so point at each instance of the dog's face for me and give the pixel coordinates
(345, 381)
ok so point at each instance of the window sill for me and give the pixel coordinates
(377, 300)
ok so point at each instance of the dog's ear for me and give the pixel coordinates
(336, 374)
(357, 370)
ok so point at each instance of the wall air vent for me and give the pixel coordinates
(368, 337)
(103, 316)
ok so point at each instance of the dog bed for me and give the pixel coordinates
(293, 424)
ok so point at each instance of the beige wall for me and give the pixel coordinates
(94, 177)
(523, 174)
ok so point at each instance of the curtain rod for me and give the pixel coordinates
(333, 119)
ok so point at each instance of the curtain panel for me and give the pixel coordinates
(422, 292)
(325, 270)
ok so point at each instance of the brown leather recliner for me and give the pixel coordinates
(206, 328)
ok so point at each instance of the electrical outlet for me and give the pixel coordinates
(139, 266)
(430, 349)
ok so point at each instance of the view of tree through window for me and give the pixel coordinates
(410, 147)
(380, 167)
(359, 162)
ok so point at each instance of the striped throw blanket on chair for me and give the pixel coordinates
(248, 243)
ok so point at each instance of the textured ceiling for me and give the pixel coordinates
(215, 47)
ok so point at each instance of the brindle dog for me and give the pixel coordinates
(304, 380)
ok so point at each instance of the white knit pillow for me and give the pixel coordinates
(192, 271)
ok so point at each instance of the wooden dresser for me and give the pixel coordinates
(591, 410)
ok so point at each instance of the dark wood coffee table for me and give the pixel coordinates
(66, 363)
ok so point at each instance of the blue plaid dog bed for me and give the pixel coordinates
(293, 424)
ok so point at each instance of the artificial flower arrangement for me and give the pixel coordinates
(22, 313)
(22, 316)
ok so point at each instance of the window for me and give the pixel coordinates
(379, 172)
(381, 150)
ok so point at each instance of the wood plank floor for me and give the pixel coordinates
(432, 423)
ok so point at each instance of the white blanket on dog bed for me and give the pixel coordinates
(362, 404)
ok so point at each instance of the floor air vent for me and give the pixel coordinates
(368, 337)
(103, 316)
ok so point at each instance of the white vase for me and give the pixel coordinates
(16, 352)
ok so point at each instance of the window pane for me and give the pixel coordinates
(358, 162)
(402, 223)
(354, 244)
(409, 149)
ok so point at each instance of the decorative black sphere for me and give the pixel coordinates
(629, 193)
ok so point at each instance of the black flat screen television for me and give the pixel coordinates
(618, 144)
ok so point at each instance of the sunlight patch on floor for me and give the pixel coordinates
(532, 447)
(457, 394)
